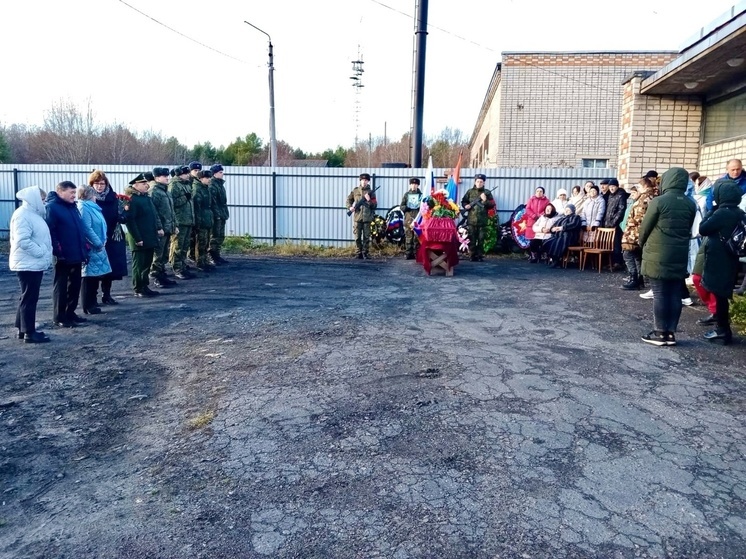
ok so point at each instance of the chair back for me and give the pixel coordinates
(605, 238)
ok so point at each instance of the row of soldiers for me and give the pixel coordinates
(188, 215)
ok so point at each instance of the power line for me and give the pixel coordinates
(182, 34)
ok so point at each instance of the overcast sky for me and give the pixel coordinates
(137, 72)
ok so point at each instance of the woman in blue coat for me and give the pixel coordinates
(116, 243)
(94, 228)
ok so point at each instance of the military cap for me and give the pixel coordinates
(204, 174)
(173, 172)
(195, 166)
(183, 170)
(160, 171)
(148, 176)
(138, 178)
(365, 176)
(414, 180)
(216, 168)
(480, 176)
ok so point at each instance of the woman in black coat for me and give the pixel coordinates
(720, 265)
(116, 244)
(565, 233)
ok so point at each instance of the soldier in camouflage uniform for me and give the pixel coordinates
(180, 189)
(362, 203)
(164, 206)
(201, 199)
(410, 207)
(219, 213)
(194, 168)
(477, 201)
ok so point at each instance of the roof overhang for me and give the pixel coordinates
(714, 65)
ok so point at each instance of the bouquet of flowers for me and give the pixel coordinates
(124, 205)
(440, 206)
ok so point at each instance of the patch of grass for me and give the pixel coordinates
(202, 420)
(738, 313)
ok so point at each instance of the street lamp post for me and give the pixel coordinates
(272, 135)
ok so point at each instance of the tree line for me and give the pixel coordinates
(70, 134)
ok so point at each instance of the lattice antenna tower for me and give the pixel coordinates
(357, 83)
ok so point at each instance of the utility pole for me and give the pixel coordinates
(418, 92)
(272, 134)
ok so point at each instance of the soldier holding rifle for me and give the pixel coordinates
(361, 204)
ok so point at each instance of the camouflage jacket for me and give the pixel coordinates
(201, 199)
(219, 199)
(478, 213)
(164, 205)
(631, 235)
(366, 209)
(181, 194)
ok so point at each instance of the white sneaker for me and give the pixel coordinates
(647, 295)
(687, 302)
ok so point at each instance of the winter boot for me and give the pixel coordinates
(633, 283)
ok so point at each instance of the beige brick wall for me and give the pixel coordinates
(657, 132)
(714, 157)
(557, 109)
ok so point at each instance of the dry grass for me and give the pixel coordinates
(202, 420)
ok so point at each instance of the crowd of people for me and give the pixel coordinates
(669, 229)
(170, 216)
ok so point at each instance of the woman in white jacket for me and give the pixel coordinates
(30, 256)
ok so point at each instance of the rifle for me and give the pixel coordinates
(361, 201)
(478, 201)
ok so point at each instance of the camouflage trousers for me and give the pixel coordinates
(362, 237)
(410, 238)
(202, 237)
(217, 236)
(160, 257)
(476, 238)
(180, 247)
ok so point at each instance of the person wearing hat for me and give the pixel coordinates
(220, 214)
(565, 233)
(593, 209)
(203, 219)
(410, 207)
(362, 203)
(560, 201)
(477, 201)
(143, 232)
(180, 189)
(164, 206)
(616, 204)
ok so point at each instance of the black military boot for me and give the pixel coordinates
(632, 283)
(410, 255)
(366, 256)
(359, 255)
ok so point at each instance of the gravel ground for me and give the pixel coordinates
(329, 408)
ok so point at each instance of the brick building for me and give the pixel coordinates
(556, 109)
(692, 111)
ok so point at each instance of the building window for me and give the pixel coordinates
(725, 119)
(595, 163)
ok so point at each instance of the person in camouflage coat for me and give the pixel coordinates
(631, 250)
(180, 189)
(143, 232)
(410, 207)
(164, 206)
(220, 213)
(477, 201)
(362, 203)
(202, 200)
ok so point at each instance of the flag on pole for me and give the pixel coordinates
(454, 179)
(428, 190)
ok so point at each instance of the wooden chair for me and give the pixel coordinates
(604, 245)
(586, 240)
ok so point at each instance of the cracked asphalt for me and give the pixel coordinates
(364, 409)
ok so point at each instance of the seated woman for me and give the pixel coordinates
(542, 231)
(565, 233)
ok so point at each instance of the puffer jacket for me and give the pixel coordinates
(666, 228)
(94, 226)
(534, 210)
(30, 241)
(544, 222)
(720, 267)
(66, 229)
(593, 211)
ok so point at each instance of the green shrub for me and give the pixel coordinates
(738, 313)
